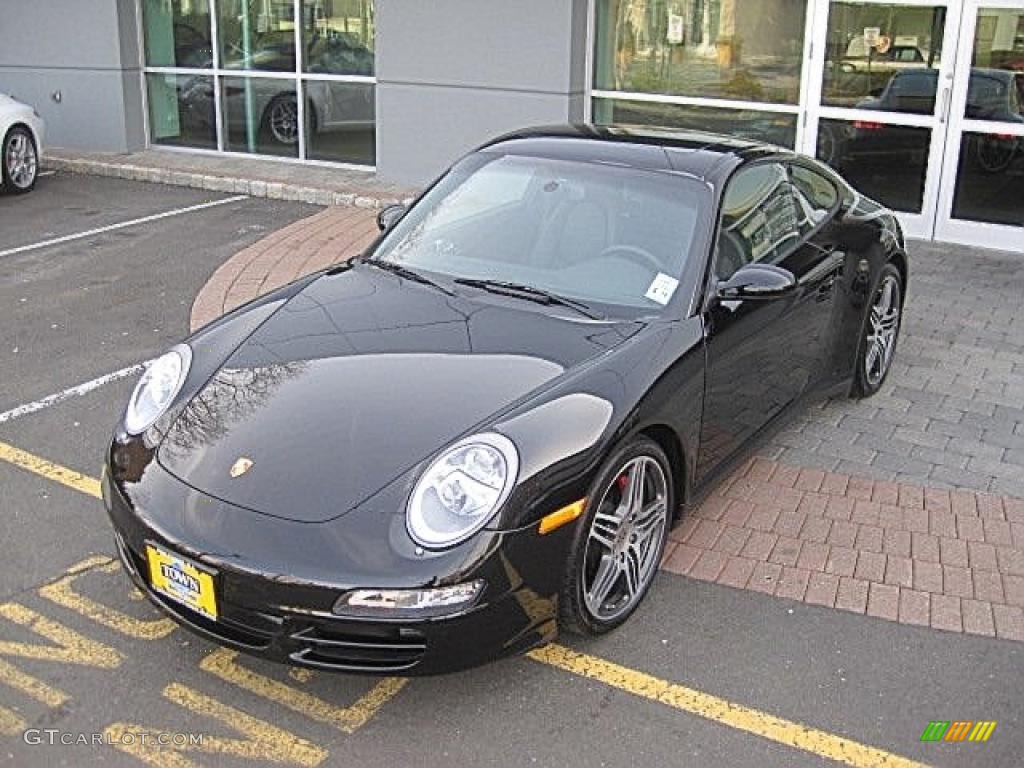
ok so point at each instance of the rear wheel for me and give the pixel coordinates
(878, 344)
(20, 161)
(994, 153)
(620, 541)
(281, 119)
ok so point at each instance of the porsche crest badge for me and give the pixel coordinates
(240, 467)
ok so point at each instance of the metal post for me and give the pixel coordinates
(250, 129)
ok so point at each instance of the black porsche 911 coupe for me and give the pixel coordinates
(481, 430)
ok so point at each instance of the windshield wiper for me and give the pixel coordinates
(528, 292)
(408, 274)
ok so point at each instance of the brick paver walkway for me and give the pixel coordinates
(952, 412)
(335, 234)
(952, 560)
(819, 516)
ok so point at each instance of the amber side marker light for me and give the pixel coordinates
(566, 514)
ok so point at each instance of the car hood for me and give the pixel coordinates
(358, 378)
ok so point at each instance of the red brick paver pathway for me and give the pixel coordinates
(952, 560)
(335, 234)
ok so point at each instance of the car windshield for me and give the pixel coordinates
(593, 232)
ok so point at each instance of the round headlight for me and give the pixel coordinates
(157, 388)
(461, 490)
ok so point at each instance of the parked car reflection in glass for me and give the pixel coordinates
(271, 107)
(992, 94)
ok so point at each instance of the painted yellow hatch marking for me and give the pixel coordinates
(267, 742)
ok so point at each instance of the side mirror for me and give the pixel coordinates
(758, 281)
(389, 216)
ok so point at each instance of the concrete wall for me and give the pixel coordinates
(88, 51)
(452, 74)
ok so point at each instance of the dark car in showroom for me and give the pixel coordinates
(480, 431)
(992, 94)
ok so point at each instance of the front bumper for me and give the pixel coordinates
(286, 619)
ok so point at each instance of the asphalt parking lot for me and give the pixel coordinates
(703, 674)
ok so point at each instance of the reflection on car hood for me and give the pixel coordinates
(358, 378)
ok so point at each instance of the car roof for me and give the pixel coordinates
(932, 74)
(707, 156)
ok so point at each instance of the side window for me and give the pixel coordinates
(761, 219)
(815, 194)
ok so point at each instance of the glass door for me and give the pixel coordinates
(982, 198)
(879, 97)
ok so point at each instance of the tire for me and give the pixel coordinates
(19, 161)
(281, 120)
(994, 155)
(631, 552)
(881, 331)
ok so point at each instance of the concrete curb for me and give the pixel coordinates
(227, 184)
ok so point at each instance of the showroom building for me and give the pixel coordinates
(920, 103)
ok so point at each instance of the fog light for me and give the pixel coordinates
(409, 602)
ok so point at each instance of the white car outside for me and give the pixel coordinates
(21, 132)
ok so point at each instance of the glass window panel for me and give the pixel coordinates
(260, 115)
(181, 111)
(990, 179)
(882, 56)
(819, 192)
(257, 34)
(177, 33)
(761, 220)
(732, 49)
(885, 162)
(996, 87)
(340, 122)
(772, 127)
(338, 37)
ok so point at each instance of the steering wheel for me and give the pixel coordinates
(635, 254)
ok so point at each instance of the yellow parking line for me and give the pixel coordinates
(263, 742)
(737, 716)
(221, 663)
(55, 472)
(62, 592)
(777, 729)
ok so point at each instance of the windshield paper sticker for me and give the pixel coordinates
(662, 288)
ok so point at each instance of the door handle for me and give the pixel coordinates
(944, 105)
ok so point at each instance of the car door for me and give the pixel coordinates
(763, 353)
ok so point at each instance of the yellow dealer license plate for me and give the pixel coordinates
(181, 580)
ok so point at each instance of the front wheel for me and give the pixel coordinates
(20, 161)
(620, 540)
(878, 343)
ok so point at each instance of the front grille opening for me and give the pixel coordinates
(222, 629)
(368, 649)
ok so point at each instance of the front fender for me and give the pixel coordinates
(212, 345)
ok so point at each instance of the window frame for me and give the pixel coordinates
(298, 77)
